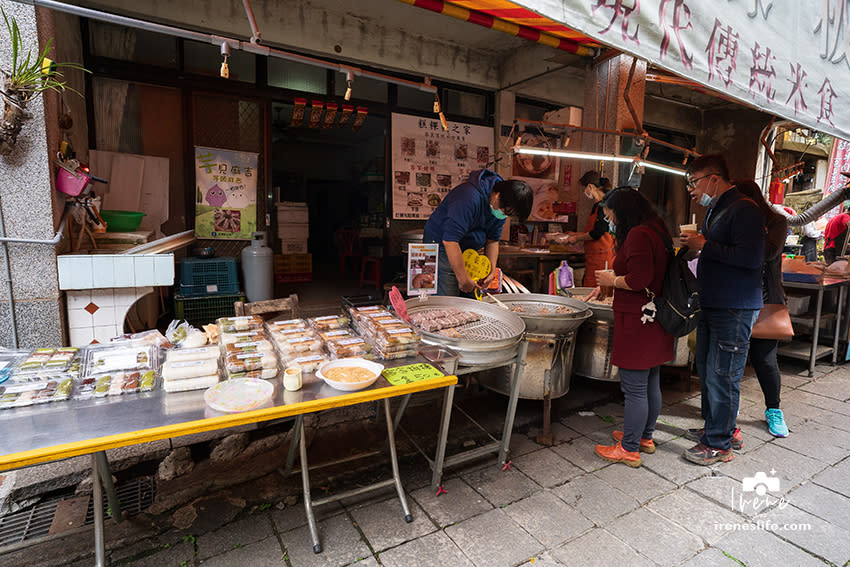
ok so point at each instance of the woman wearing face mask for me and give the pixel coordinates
(472, 216)
(640, 347)
(598, 242)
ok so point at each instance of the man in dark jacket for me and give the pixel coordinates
(730, 276)
(472, 216)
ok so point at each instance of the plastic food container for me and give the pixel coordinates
(373, 367)
(240, 394)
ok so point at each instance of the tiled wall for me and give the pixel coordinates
(98, 314)
(77, 271)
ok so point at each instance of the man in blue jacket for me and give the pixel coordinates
(472, 216)
(730, 276)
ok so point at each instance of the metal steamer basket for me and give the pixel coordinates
(492, 340)
(551, 344)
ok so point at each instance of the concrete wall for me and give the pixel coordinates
(29, 205)
(735, 133)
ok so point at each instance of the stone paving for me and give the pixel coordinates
(562, 506)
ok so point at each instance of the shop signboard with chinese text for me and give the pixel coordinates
(429, 161)
(788, 58)
(225, 193)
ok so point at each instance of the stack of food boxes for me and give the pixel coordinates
(390, 336)
(293, 264)
(246, 351)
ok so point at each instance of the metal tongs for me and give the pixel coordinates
(484, 292)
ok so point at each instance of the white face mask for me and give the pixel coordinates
(705, 200)
(588, 193)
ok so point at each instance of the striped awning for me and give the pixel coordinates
(510, 12)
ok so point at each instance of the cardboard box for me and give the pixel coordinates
(293, 231)
(292, 213)
(293, 246)
(293, 263)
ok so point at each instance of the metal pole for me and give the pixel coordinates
(106, 478)
(504, 450)
(9, 292)
(97, 506)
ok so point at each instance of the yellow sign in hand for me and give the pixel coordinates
(476, 265)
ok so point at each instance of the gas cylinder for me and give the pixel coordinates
(258, 268)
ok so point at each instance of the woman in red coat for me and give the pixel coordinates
(640, 347)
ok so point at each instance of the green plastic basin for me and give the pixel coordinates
(121, 221)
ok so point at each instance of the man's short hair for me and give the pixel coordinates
(515, 197)
(714, 163)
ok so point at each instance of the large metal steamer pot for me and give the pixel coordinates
(494, 339)
(595, 339)
(551, 346)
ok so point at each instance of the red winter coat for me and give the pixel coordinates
(642, 259)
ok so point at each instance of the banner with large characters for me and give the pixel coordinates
(225, 193)
(429, 161)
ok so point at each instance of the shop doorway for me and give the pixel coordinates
(339, 172)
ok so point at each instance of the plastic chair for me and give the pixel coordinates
(348, 242)
(374, 278)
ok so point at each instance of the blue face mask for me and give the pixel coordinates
(497, 213)
(612, 226)
(705, 200)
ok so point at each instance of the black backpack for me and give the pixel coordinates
(678, 308)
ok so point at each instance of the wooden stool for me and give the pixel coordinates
(374, 263)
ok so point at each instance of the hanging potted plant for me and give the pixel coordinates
(28, 77)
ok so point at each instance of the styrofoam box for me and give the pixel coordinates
(293, 246)
(293, 231)
(292, 213)
(798, 304)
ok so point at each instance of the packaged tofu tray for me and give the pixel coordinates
(238, 324)
(20, 394)
(115, 383)
(114, 357)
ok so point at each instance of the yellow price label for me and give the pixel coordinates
(476, 265)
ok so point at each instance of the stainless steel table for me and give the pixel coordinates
(43, 433)
(799, 349)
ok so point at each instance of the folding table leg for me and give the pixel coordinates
(519, 367)
(293, 444)
(308, 502)
(106, 479)
(442, 437)
(394, 460)
(97, 506)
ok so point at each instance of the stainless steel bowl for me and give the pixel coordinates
(538, 310)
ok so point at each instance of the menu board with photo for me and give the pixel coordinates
(225, 193)
(422, 268)
(429, 161)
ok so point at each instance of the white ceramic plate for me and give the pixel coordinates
(239, 394)
(350, 386)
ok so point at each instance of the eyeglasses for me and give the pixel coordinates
(693, 182)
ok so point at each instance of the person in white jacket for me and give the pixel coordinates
(811, 235)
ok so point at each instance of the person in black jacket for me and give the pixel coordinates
(730, 276)
(763, 351)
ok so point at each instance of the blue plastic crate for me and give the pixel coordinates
(208, 276)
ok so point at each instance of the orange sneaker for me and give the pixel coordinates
(646, 445)
(616, 454)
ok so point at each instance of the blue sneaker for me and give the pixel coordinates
(776, 422)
